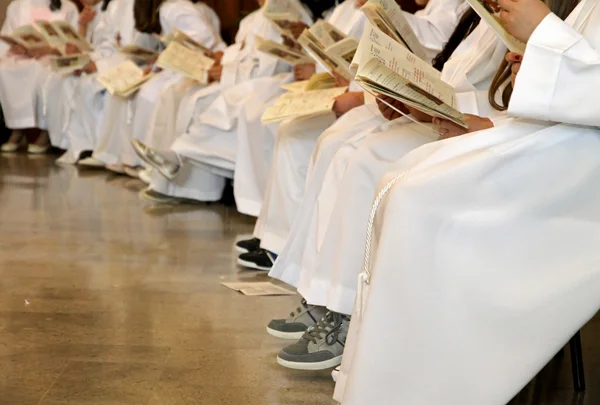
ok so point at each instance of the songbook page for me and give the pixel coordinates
(375, 44)
(29, 37)
(50, 33)
(281, 52)
(189, 42)
(138, 53)
(489, 10)
(380, 79)
(319, 54)
(123, 78)
(320, 81)
(295, 87)
(343, 52)
(70, 34)
(326, 34)
(389, 18)
(291, 105)
(281, 13)
(183, 60)
(69, 64)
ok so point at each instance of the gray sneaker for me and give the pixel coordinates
(157, 160)
(297, 323)
(321, 347)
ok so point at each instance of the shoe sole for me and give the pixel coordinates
(241, 249)
(285, 335)
(150, 162)
(146, 197)
(323, 365)
(251, 265)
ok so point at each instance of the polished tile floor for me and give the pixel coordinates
(107, 300)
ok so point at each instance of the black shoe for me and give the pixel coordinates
(248, 245)
(259, 260)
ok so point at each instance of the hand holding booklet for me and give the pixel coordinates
(488, 10)
(292, 105)
(389, 18)
(124, 80)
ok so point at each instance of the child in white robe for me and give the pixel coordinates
(470, 70)
(58, 91)
(483, 262)
(21, 74)
(116, 29)
(113, 144)
(203, 155)
(296, 140)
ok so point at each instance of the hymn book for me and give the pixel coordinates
(326, 33)
(138, 53)
(26, 36)
(187, 41)
(124, 80)
(387, 68)
(185, 61)
(336, 58)
(282, 52)
(389, 18)
(318, 81)
(281, 13)
(488, 10)
(69, 63)
(312, 103)
(71, 35)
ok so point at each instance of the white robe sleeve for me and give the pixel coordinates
(434, 27)
(11, 23)
(182, 15)
(71, 13)
(559, 77)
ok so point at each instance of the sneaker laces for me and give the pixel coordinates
(304, 305)
(330, 323)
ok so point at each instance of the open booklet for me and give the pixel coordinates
(187, 41)
(181, 59)
(387, 68)
(318, 81)
(70, 63)
(389, 18)
(312, 103)
(335, 58)
(281, 13)
(326, 33)
(26, 36)
(138, 53)
(60, 33)
(124, 80)
(282, 52)
(488, 10)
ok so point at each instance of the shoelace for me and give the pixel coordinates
(328, 324)
(300, 309)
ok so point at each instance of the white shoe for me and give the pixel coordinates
(91, 162)
(34, 149)
(10, 147)
(146, 176)
(156, 160)
(132, 172)
(118, 168)
(335, 373)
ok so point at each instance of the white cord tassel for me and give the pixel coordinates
(364, 278)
